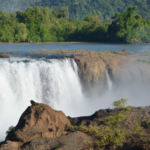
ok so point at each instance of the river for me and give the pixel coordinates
(73, 46)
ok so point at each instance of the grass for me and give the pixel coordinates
(105, 53)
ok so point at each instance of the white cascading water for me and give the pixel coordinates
(55, 83)
(109, 82)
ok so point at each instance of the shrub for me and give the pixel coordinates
(10, 129)
(120, 103)
(115, 119)
(145, 121)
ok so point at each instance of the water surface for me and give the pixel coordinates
(73, 46)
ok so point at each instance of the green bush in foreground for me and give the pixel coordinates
(110, 133)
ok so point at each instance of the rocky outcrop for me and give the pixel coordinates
(41, 127)
(92, 73)
(39, 121)
(126, 69)
(122, 69)
(3, 55)
(136, 115)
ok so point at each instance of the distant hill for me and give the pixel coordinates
(78, 9)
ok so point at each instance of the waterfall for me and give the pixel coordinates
(109, 82)
(54, 82)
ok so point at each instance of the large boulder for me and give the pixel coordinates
(39, 121)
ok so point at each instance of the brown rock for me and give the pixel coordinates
(92, 73)
(39, 121)
(72, 141)
(3, 55)
(9, 145)
(122, 69)
(115, 64)
(125, 50)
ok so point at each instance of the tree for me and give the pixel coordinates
(21, 32)
(120, 103)
(123, 25)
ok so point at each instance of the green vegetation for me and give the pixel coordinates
(47, 25)
(11, 129)
(129, 27)
(111, 132)
(78, 9)
(123, 52)
(146, 52)
(66, 53)
(147, 60)
(39, 109)
(120, 103)
(145, 121)
(105, 53)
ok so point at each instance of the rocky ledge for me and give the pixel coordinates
(3, 55)
(122, 70)
(42, 128)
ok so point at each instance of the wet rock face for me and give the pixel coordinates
(122, 70)
(92, 73)
(3, 55)
(39, 121)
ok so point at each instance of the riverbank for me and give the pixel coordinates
(110, 43)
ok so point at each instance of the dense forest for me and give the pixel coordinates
(78, 9)
(48, 25)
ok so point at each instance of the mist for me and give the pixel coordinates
(57, 83)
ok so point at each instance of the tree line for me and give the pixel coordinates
(47, 25)
(78, 9)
